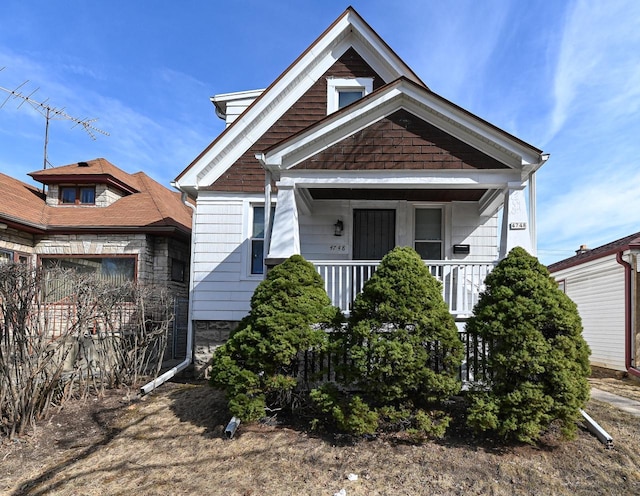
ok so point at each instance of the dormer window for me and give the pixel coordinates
(344, 91)
(78, 195)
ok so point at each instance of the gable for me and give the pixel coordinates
(348, 31)
(401, 141)
(246, 174)
(435, 123)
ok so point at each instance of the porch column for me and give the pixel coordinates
(515, 221)
(285, 237)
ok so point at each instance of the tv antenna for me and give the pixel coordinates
(49, 112)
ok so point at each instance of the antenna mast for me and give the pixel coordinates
(49, 112)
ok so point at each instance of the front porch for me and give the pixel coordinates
(462, 282)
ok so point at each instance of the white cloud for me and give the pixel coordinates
(594, 210)
(598, 60)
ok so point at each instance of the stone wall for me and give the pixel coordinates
(17, 242)
(105, 195)
(209, 334)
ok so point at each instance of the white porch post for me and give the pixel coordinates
(515, 221)
(285, 237)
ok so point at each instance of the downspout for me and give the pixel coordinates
(532, 213)
(627, 315)
(158, 381)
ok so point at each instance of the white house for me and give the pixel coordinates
(604, 283)
(355, 155)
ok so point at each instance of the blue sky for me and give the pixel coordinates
(563, 76)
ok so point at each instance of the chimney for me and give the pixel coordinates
(582, 249)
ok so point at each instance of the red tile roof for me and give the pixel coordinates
(149, 206)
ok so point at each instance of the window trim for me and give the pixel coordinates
(336, 85)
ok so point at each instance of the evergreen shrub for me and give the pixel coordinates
(538, 363)
(402, 345)
(257, 366)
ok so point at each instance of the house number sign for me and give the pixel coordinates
(518, 226)
(339, 248)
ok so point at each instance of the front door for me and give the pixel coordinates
(374, 233)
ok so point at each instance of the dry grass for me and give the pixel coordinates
(172, 443)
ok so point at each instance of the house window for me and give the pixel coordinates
(113, 270)
(177, 270)
(256, 240)
(342, 91)
(84, 195)
(428, 233)
(6, 256)
(347, 97)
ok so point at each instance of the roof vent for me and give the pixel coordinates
(582, 249)
(83, 164)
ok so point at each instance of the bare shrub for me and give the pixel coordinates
(67, 334)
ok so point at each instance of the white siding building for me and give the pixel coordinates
(603, 282)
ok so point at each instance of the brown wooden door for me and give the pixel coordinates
(374, 233)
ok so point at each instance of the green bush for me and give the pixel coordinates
(402, 340)
(538, 364)
(257, 366)
(402, 346)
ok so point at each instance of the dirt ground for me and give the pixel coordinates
(172, 443)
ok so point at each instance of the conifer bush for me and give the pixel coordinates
(257, 366)
(402, 346)
(538, 364)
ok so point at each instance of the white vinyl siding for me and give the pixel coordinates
(468, 227)
(597, 288)
(462, 225)
(222, 287)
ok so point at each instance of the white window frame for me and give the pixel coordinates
(336, 85)
(439, 208)
(249, 208)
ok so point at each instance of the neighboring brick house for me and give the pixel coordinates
(354, 155)
(604, 282)
(94, 216)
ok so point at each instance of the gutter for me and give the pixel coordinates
(627, 315)
(169, 374)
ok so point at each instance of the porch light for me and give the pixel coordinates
(338, 227)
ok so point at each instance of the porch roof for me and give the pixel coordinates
(469, 141)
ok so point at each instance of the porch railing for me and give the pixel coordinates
(462, 282)
(314, 368)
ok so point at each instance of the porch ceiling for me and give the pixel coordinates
(423, 195)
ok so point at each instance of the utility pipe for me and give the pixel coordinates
(150, 386)
(598, 431)
(627, 315)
